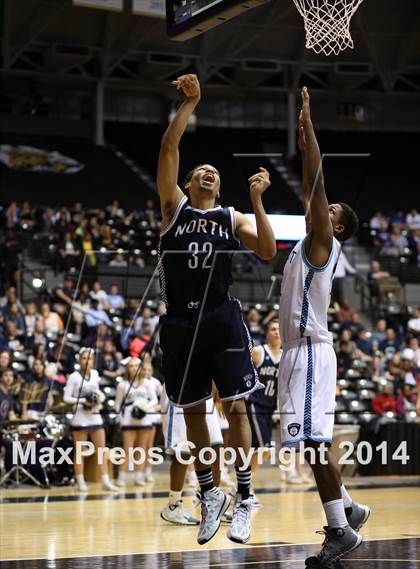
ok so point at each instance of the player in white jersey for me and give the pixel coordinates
(308, 368)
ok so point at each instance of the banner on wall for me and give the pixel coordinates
(152, 8)
(30, 159)
(114, 5)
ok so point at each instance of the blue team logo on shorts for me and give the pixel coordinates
(293, 429)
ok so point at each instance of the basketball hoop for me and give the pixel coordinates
(327, 24)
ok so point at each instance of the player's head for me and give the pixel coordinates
(272, 331)
(203, 180)
(344, 220)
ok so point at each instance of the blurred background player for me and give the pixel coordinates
(203, 336)
(308, 369)
(262, 403)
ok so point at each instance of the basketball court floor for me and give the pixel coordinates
(61, 528)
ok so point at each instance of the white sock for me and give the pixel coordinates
(121, 475)
(105, 479)
(174, 497)
(336, 516)
(148, 470)
(348, 502)
(139, 475)
(80, 479)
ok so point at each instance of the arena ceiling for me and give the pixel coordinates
(46, 42)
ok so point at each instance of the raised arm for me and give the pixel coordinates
(320, 236)
(167, 175)
(261, 239)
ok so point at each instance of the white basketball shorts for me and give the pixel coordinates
(307, 386)
(174, 428)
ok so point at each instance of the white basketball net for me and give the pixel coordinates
(327, 24)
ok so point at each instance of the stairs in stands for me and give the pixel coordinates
(138, 170)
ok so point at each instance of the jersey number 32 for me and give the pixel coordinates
(194, 249)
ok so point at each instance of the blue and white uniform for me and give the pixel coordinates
(75, 392)
(308, 368)
(203, 336)
(125, 398)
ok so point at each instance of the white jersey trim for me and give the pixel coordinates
(175, 217)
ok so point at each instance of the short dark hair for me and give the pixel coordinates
(7, 370)
(350, 221)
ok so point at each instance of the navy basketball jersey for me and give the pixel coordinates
(268, 373)
(195, 254)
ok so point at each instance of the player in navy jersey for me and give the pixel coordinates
(262, 403)
(203, 336)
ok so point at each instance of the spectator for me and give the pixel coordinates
(413, 324)
(52, 321)
(98, 294)
(255, 327)
(12, 341)
(115, 299)
(398, 219)
(36, 394)
(364, 344)
(346, 313)
(382, 284)
(377, 220)
(390, 345)
(98, 339)
(118, 261)
(7, 413)
(148, 319)
(69, 253)
(343, 268)
(109, 359)
(31, 316)
(413, 344)
(379, 334)
(64, 296)
(406, 400)
(384, 402)
(38, 337)
(413, 220)
(344, 359)
(114, 210)
(5, 360)
(96, 316)
(16, 316)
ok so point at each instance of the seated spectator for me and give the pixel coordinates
(384, 402)
(146, 318)
(36, 394)
(255, 327)
(413, 220)
(130, 311)
(346, 337)
(114, 210)
(12, 340)
(31, 316)
(98, 294)
(64, 296)
(38, 337)
(364, 344)
(69, 252)
(138, 344)
(346, 312)
(115, 299)
(108, 362)
(96, 316)
(381, 235)
(382, 284)
(150, 213)
(52, 320)
(377, 220)
(379, 334)
(413, 344)
(9, 299)
(413, 324)
(406, 400)
(7, 413)
(344, 359)
(16, 316)
(39, 352)
(5, 360)
(395, 245)
(390, 345)
(119, 261)
(409, 368)
(398, 219)
(80, 307)
(98, 338)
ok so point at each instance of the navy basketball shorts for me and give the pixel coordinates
(260, 419)
(196, 351)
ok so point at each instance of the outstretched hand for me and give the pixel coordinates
(304, 117)
(189, 85)
(259, 182)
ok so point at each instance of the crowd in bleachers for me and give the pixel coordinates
(62, 236)
(397, 235)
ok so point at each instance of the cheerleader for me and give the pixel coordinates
(82, 391)
(135, 398)
(156, 418)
